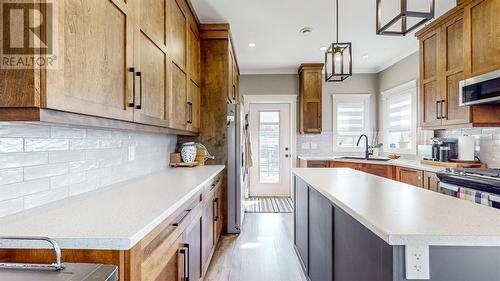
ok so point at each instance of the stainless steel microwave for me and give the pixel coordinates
(481, 89)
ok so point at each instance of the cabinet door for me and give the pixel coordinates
(311, 91)
(230, 93)
(177, 34)
(482, 37)
(320, 237)
(176, 264)
(386, 171)
(431, 181)
(452, 68)
(178, 103)
(193, 240)
(301, 221)
(410, 176)
(93, 77)
(194, 52)
(236, 82)
(219, 211)
(208, 228)
(151, 93)
(193, 107)
(430, 96)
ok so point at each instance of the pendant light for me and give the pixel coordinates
(338, 58)
(399, 24)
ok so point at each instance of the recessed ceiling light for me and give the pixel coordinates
(306, 31)
(251, 45)
(365, 57)
(322, 49)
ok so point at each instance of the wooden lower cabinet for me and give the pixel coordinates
(410, 176)
(340, 164)
(386, 171)
(317, 164)
(431, 181)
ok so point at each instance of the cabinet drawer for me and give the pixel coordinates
(317, 164)
(386, 171)
(338, 164)
(159, 243)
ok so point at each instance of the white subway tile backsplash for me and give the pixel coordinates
(14, 160)
(45, 144)
(82, 166)
(67, 180)
(22, 189)
(45, 197)
(15, 129)
(9, 207)
(66, 156)
(67, 133)
(41, 163)
(8, 176)
(44, 171)
(11, 145)
(80, 144)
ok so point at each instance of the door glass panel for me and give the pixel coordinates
(269, 146)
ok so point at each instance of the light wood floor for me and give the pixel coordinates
(262, 252)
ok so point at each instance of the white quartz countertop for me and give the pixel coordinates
(402, 214)
(115, 218)
(407, 163)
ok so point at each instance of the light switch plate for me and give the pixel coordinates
(417, 262)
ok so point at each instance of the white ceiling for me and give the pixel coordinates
(273, 25)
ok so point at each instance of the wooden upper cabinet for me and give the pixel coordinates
(452, 67)
(178, 104)
(310, 98)
(430, 96)
(462, 43)
(482, 37)
(151, 92)
(194, 100)
(177, 40)
(93, 76)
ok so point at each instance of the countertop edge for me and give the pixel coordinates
(118, 243)
(404, 239)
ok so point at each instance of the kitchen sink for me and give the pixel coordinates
(363, 158)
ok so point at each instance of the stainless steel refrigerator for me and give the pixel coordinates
(235, 168)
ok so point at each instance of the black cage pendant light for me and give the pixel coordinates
(338, 58)
(407, 16)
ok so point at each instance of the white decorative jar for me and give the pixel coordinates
(188, 152)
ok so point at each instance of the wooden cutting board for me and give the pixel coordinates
(454, 164)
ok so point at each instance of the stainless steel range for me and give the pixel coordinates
(477, 185)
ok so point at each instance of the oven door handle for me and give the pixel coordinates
(448, 186)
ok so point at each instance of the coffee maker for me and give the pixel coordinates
(444, 149)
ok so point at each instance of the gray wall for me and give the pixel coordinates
(399, 73)
(288, 84)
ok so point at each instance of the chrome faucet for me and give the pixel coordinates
(367, 154)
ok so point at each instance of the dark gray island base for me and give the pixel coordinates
(332, 245)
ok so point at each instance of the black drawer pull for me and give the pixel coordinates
(181, 218)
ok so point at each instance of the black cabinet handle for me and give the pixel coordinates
(139, 74)
(132, 104)
(216, 209)
(190, 112)
(443, 116)
(234, 92)
(181, 217)
(184, 251)
(438, 108)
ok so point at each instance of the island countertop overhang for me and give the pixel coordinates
(402, 214)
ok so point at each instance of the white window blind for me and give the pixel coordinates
(350, 120)
(400, 118)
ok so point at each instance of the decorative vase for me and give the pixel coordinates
(188, 152)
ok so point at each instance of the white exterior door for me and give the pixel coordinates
(270, 137)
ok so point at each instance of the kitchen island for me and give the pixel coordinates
(350, 225)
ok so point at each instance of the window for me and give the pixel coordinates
(400, 119)
(351, 118)
(269, 146)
